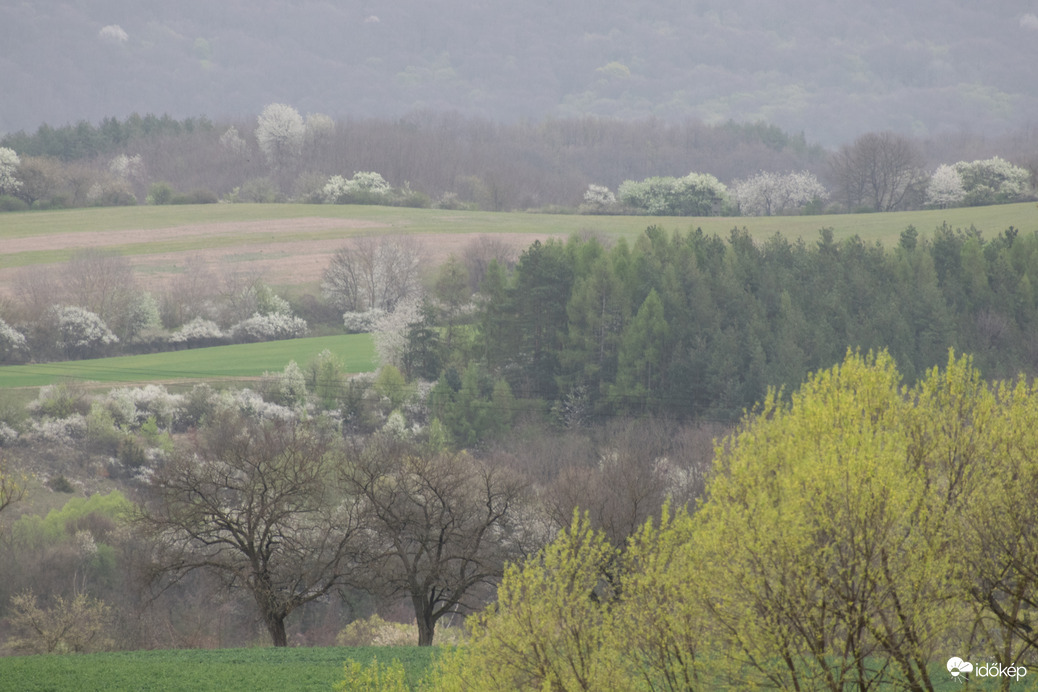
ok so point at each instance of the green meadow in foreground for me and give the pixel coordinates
(356, 351)
(223, 670)
(251, 670)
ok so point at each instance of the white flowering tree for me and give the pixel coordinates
(775, 193)
(12, 343)
(598, 199)
(232, 141)
(696, 194)
(945, 188)
(279, 132)
(364, 186)
(81, 333)
(9, 163)
(390, 332)
(992, 181)
(197, 332)
(269, 327)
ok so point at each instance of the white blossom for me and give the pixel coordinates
(279, 133)
(599, 198)
(769, 193)
(81, 333)
(270, 327)
(127, 167)
(362, 322)
(339, 189)
(391, 331)
(233, 142)
(12, 342)
(62, 430)
(9, 163)
(992, 180)
(945, 187)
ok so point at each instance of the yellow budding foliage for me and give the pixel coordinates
(855, 536)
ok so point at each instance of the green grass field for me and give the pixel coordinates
(885, 228)
(356, 351)
(225, 670)
(252, 670)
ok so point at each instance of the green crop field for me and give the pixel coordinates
(258, 669)
(356, 351)
(359, 219)
(225, 670)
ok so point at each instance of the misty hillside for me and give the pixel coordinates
(829, 69)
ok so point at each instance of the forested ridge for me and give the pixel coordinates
(688, 325)
(829, 70)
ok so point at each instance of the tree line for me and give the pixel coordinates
(451, 161)
(688, 325)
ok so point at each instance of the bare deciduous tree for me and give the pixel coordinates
(253, 503)
(879, 170)
(373, 272)
(444, 524)
(103, 283)
(189, 294)
(639, 466)
(483, 250)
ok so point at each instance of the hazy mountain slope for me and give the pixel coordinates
(831, 69)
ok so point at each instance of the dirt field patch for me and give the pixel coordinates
(284, 251)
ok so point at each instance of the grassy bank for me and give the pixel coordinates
(356, 351)
(223, 670)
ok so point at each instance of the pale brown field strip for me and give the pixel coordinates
(99, 239)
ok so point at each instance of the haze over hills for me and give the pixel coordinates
(832, 70)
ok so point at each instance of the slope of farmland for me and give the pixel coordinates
(289, 244)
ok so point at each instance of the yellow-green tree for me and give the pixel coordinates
(550, 627)
(999, 529)
(11, 489)
(824, 544)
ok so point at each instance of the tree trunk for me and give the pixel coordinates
(424, 618)
(276, 627)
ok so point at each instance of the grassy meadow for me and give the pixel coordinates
(223, 670)
(356, 351)
(358, 220)
(248, 670)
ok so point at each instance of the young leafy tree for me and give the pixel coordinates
(254, 504)
(550, 627)
(838, 504)
(11, 489)
(1001, 521)
(78, 625)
